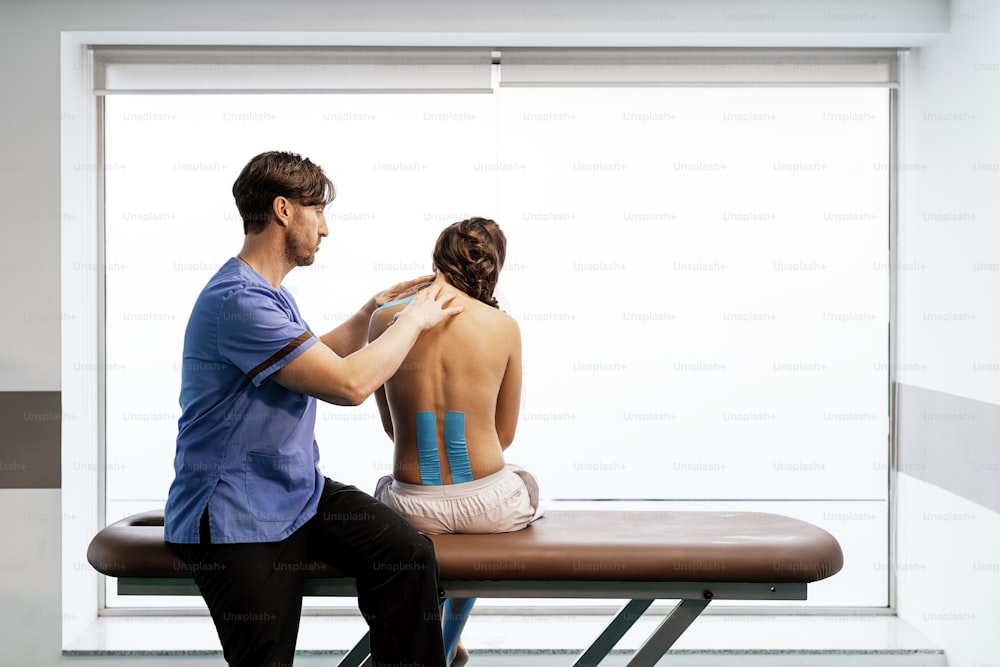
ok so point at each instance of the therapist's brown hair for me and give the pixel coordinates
(278, 174)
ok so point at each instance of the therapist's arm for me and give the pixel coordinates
(350, 379)
(352, 335)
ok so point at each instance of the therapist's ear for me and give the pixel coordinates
(282, 209)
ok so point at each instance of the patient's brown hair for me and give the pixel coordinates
(470, 255)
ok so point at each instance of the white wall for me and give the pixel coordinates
(949, 327)
(32, 124)
(949, 230)
(948, 572)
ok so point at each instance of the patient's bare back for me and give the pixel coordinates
(460, 381)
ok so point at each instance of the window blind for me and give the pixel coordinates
(125, 70)
(597, 67)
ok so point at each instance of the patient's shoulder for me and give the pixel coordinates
(493, 327)
(383, 317)
(495, 316)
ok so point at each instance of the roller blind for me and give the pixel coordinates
(554, 67)
(124, 70)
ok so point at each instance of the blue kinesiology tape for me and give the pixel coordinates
(400, 302)
(427, 451)
(456, 448)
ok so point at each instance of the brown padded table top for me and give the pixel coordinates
(581, 545)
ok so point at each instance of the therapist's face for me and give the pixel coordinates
(306, 230)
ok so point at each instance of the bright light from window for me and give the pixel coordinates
(700, 276)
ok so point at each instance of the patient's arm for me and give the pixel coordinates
(377, 325)
(383, 410)
(509, 397)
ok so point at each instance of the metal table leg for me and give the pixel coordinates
(672, 627)
(621, 623)
(360, 655)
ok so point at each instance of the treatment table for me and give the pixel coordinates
(693, 557)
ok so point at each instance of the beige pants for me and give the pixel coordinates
(497, 503)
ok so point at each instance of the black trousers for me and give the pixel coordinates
(254, 590)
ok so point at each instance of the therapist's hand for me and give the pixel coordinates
(402, 290)
(429, 307)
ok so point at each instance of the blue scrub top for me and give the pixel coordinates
(246, 447)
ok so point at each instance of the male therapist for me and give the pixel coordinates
(248, 509)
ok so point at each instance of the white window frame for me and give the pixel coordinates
(82, 262)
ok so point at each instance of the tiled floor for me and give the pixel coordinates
(714, 640)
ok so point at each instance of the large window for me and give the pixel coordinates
(700, 272)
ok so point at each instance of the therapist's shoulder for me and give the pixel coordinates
(239, 296)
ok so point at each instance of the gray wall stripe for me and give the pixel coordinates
(30, 439)
(950, 441)
(943, 439)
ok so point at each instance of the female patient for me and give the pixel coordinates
(452, 407)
